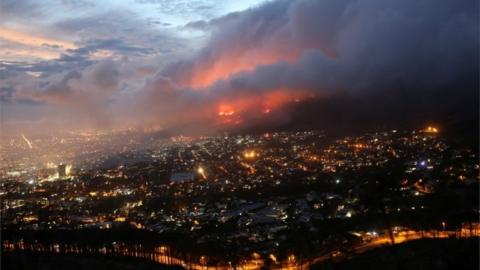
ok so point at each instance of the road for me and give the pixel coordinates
(400, 237)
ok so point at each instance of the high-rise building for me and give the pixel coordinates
(62, 170)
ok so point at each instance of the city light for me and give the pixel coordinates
(431, 129)
(201, 171)
(255, 255)
(290, 161)
(250, 154)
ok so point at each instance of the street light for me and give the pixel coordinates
(201, 171)
(203, 260)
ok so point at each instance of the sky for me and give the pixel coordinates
(205, 66)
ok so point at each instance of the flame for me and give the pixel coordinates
(247, 108)
(228, 115)
(225, 110)
(233, 111)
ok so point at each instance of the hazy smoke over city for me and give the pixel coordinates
(252, 67)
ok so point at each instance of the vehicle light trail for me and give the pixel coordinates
(27, 141)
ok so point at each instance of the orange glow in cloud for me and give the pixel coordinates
(31, 45)
(208, 71)
(16, 54)
(272, 101)
(32, 40)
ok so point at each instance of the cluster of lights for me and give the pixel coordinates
(250, 154)
(431, 129)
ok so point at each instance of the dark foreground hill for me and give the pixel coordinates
(427, 254)
(43, 261)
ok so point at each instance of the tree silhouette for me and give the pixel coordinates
(381, 192)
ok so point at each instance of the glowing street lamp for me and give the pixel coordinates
(203, 260)
(201, 171)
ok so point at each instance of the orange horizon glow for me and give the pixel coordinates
(35, 45)
(32, 40)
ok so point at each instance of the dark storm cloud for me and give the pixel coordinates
(348, 44)
(332, 48)
(374, 60)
